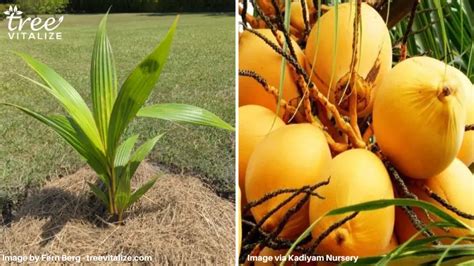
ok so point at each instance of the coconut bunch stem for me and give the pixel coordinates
(289, 109)
(335, 146)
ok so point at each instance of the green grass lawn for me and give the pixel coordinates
(199, 71)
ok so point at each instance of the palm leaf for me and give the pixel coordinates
(184, 113)
(448, 249)
(124, 151)
(137, 88)
(103, 80)
(123, 193)
(467, 263)
(141, 153)
(455, 43)
(141, 191)
(68, 97)
(378, 204)
(397, 251)
(123, 154)
(71, 132)
(439, 9)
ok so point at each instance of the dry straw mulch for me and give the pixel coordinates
(179, 221)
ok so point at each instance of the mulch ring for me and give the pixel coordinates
(179, 221)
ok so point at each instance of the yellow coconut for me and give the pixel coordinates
(357, 176)
(329, 57)
(419, 115)
(455, 184)
(466, 153)
(256, 55)
(289, 158)
(255, 123)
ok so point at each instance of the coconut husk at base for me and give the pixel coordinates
(179, 221)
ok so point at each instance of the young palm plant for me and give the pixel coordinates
(96, 134)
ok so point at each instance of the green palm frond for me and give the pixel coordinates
(427, 37)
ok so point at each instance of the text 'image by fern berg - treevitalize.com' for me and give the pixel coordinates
(355, 132)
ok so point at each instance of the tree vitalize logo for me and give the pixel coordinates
(31, 29)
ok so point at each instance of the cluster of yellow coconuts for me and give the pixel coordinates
(419, 109)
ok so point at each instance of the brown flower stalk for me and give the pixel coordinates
(404, 192)
(272, 90)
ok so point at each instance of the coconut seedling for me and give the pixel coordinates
(97, 134)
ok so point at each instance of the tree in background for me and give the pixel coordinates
(36, 7)
(100, 6)
(195, 6)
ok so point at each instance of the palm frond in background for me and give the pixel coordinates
(426, 35)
